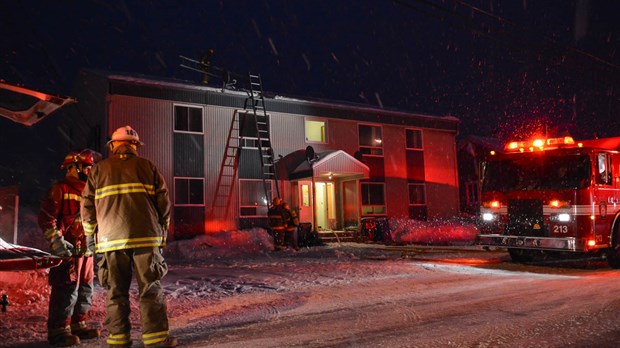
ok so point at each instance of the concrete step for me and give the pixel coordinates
(337, 236)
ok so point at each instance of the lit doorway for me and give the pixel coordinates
(325, 205)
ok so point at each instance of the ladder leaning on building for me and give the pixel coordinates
(254, 107)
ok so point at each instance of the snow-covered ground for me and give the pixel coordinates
(203, 271)
(230, 290)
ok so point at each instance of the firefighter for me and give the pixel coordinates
(125, 204)
(277, 223)
(72, 281)
(292, 223)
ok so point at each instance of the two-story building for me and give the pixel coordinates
(335, 162)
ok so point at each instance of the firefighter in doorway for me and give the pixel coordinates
(72, 280)
(125, 204)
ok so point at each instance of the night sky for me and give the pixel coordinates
(504, 68)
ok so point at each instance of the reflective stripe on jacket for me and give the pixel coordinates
(126, 203)
(60, 212)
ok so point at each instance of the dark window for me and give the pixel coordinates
(414, 139)
(370, 140)
(373, 198)
(537, 173)
(188, 119)
(252, 197)
(189, 191)
(417, 194)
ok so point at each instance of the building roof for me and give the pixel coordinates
(190, 92)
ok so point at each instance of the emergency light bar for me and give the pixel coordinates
(538, 144)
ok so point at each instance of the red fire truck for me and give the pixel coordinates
(552, 195)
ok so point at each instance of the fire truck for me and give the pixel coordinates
(551, 196)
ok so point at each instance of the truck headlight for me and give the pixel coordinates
(564, 217)
(488, 217)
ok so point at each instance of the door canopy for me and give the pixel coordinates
(335, 164)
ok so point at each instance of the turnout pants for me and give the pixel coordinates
(71, 295)
(115, 272)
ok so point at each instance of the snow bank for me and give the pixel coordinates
(437, 232)
(220, 244)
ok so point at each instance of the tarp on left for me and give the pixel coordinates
(26, 106)
(15, 257)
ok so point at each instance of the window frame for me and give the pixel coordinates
(189, 106)
(421, 148)
(360, 146)
(241, 206)
(373, 206)
(176, 204)
(250, 142)
(607, 171)
(325, 131)
(423, 185)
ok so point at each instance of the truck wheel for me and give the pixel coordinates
(613, 253)
(520, 255)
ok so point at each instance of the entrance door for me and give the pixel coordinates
(305, 201)
(351, 210)
(325, 205)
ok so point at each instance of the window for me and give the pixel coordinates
(188, 119)
(189, 191)
(248, 132)
(414, 155)
(316, 131)
(252, 198)
(370, 140)
(414, 139)
(472, 192)
(603, 169)
(417, 194)
(373, 198)
(417, 202)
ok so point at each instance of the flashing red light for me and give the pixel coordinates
(491, 204)
(591, 242)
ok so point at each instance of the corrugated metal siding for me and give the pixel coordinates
(217, 125)
(152, 119)
(189, 155)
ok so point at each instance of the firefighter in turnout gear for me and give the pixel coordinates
(125, 205)
(72, 280)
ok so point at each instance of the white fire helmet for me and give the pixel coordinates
(126, 134)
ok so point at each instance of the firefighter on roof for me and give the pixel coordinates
(125, 204)
(72, 280)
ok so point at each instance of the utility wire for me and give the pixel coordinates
(491, 32)
(547, 39)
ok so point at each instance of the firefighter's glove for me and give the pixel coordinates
(60, 247)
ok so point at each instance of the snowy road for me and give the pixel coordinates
(356, 296)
